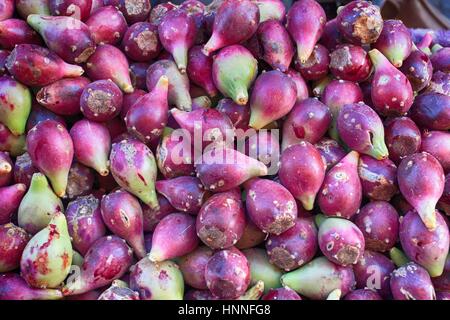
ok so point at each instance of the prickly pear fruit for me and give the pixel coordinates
(412, 282)
(284, 293)
(402, 138)
(331, 151)
(238, 114)
(14, 287)
(350, 62)
(271, 10)
(14, 145)
(78, 9)
(261, 269)
(437, 143)
(7, 9)
(394, 42)
(10, 197)
(431, 111)
(418, 69)
(378, 178)
(363, 294)
(199, 70)
(107, 25)
(119, 291)
(27, 7)
(6, 169)
(15, 31)
(101, 100)
(140, 42)
(13, 239)
(251, 237)
(193, 267)
(133, 166)
(133, 11)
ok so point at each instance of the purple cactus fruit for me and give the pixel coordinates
(122, 214)
(27, 7)
(444, 201)
(133, 10)
(130, 98)
(24, 169)
(14, 287)
(350, 62)
(394, 42)
(85, 222)
(174, 236)
(193, 267)
(277, 47)
(178, 93)
(78, 9)
(101, 100)
(318, 278)
(159, 11)
(15, 145)
(199, 70)
(261, 269)
(271, 10)
(421, 181)
(238, 114)
(92, 143)
(6, 169)
(138, 74)
(378, 178)
(431, 111)
(294, 247)
(15, 31)
(37, 66)
(251, 237)
(363, 294)
(302, 177)
(361, 129)
(107, 25)
(402, 138)
(331, 152)
(68, 37)
(308, 120)
(39, 114)
(341, 192)
(119, 291)
(412, 282)
(360, 22)
(440, 58)
(153, 216)
(107, 260)
(221, 220)
(440, 83)
(140, 42)
(392, 93)
(148, 116)
(418, 69)
(331, 37)
(134, 168)
(442, 283)
(14, 240)
(3, 56)
(284, 293)
(221, 277)
(273, 96)
(223, 168)
(427, 248)
(7, 9)
(437, 143)
(305, 22)
(80, 181)
(234, 69)
(243, 15)
(379, 223)
(316, 67)
(373, 272)
(300, 83)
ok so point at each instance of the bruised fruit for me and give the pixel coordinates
(14, 287)
(317, 65)
(402, 138)
(412, 282)
(378, 178)
(13, 239)
(350, 62)
(331, 151)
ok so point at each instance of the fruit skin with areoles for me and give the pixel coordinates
(15, 31)
(402, 138)
(378, 178)
(199, 70)
(107, 25)
(7, 9)
(412, 282)
(331, 151)
(78, 9)
(140, 42)
(119, 291)
(14, 287)
(284, 293)
(193, 267)
(6, 169)
(13, 239)
(101, 101)
(418, 69)
(431, 111)
(437, 143)
(133, 11)
(350, 62)
(261, 269)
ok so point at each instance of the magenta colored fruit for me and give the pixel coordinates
(402, 138)
(330, 151)
(221, 220)
(360, 22)
(119, 291)
(37, 66)
(411, 282)
(133, 10)
(178, 94)
(6, 169)
(444, 201)
(69, 38)
(14, 287)
(185, 193)
(431, 111)
(13, 239)
(264, 146)
(300, 83)
(425, 247)
(107, 25)
(270, 206)
(316, 67)
(308, 120)
(331, 36)
(101, 100)
(220, 275)
(51, 150)
(199, 70)
(27, 7)
(15, 31)
(379, 223)
(85, 222)
(276, 44)
(442, 283)
(341, 191)
(271, 10)
(193, 267)
(392, 93)
(362, 294)
(442, 295)
(153, 216)
(107, 260)
(373, 272)
(336, 94)
(15, 145)
(361, 130)
(123, 216)
(341, 241)
(440, 83)
(138, 74)
(437, 143)
(251, 237)
(80, 181)
(302, 172)
(78, 9)
(305, 22)
(294, 247)
(177, 32)
(92, 144)
(394, 42)
(196, 10)
(148, 116)
(441, 59)
(350, 62)
(243, 15)
(116, 69)
(24, 169)
(6, 9)
(378, 178)
(39, 114)
(418, 69)
(3, 56)
(159, 11)
(281, 294)
(273, 96)
(140, 42)
(130, 98)
(421, 181)
(63, 96)
(174, 236)
(238, 114)
(117, 129)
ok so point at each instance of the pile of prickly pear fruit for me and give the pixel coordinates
(236, 150)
